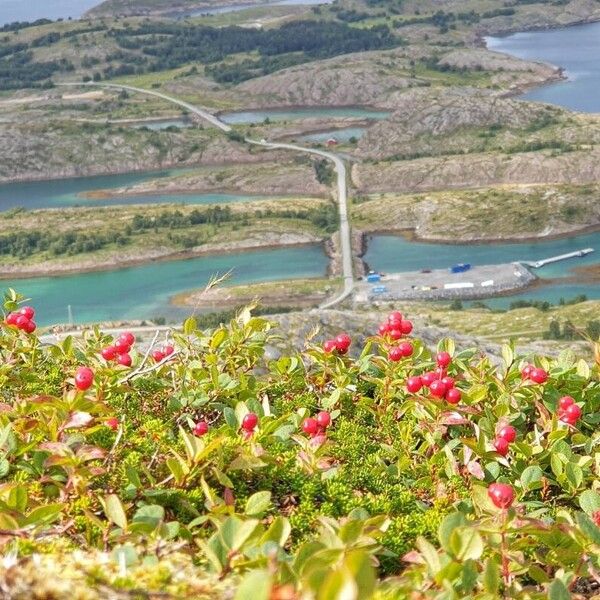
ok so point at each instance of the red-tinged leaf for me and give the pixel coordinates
(90, 453)
(56, 460)
(97, 471)
(228, 497)
(77, 420)
(41, 399)
(5, 408)
(413, 557)
(475, 469)
(56, 448)
(30, 425)
(453, 418)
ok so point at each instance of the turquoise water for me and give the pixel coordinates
(61, 193)
(341, 135)
(296, 114)
(144, 292)
(236, 7)
(576, 49)
(21, 10)
(388, 253)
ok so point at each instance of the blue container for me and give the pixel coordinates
(460, 268)
(373, 278)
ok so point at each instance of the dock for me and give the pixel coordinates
(478, 282)
(537, 264)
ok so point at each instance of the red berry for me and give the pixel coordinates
(453, 396)
(406, 348)
(501, 494)
(157, 355)
(21, 321)
(124, 359)
(596, 518)
(84, 377)
(383, 328)
(200, 428)
(395, 316)
(428, 378)
(406, 327)
(11, 318)
(501, 446)
(443, 359)
(113, 423)
(526, 372)
(449, 381)
(27, 311)
(30, 327)
(323, 419)
(310, 426)
(573, 412)
(395, 354)
(565, 402)
(342, 342)
(329, 346)
(508, 433)
(437, 388)
(168, 350)
(128, 338)
(249, 422)
(109, 353)
(538, 376)
(395, 334)
(414, 384)
(121, 346)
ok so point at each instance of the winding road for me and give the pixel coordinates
(340, 168)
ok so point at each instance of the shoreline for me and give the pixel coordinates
(141, 262)
(409, 234)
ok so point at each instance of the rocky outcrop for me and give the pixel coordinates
(478, 170)
(439, 121)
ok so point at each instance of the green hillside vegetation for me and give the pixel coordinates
(43, 236)
(218, 471)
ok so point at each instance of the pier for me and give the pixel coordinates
(537, 264)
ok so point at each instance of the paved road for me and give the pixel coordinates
(340, 167)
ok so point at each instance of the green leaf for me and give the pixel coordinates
(466, 544)
(558, 591)
(588, 528)
(583, 369)
(447, 527)
(557, 465)
(114, 511)
(574, 475)
(125, 555)
(256, 585)
(190, 325)
(590, 501)
(234, 533)
(258, 503)
(531, 478)
(429, 554)
(359, 563)
(491, 576)
(4, 467)
(43, 514)
(508, 356)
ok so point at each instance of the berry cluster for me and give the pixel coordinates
(340, 344)
(532, 373)
(161, 353)
(396, 326)
(119, 351)
(440, 384)
(568, 411)
(112, 423)
(506, 436)
(22, 319)
(317, 426)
